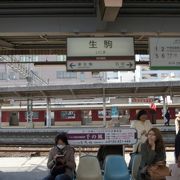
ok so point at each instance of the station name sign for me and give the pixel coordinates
(107, 53)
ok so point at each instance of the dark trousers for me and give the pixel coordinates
(58, 177)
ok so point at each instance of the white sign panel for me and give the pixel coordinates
(119, 101)
(108, 46)
(164, 53)
(87, 65)
(102, 136)
(176, 100)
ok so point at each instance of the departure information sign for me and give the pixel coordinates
(164, 53)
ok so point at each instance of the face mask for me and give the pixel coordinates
(60, 146)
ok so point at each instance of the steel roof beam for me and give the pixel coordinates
(46, 4)
(152, 4)
(73, 94)
(154, 11)
(43, 93)
(47, 12)
(6, 44)
(136, 90)
(17, 94)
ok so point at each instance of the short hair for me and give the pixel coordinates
(63, 137)
(140, 113)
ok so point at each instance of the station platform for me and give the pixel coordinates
(23, 168)
(34, 168)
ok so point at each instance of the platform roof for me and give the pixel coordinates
(41, 27)
(140, 89)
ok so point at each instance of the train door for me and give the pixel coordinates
(86, 117)
(14, 119)
(52, 118)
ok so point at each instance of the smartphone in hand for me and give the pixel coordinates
(60, 156)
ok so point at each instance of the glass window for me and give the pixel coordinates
(3, 76)
(96, 74)
(112, 75)
(65, 75)
(68, 115)
(101, 113)
(82, 76)
(12, 76)
(21, 76)
(35, 115)
(61, 58)
(177, 75)
(26, 58)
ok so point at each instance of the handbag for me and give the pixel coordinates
(158, 172)
(57, 169)
(132, 157)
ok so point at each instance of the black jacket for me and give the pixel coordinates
(177, 145)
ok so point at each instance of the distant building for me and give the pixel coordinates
(18, 74)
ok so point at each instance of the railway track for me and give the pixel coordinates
(39, 141)
(45, 149)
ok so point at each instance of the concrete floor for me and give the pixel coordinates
(34, 168)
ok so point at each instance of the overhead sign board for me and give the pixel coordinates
(119, 100)
(164, 53)
(141, 100)
(108, 53)
(176, 99)
(93, 47)
(102, 136)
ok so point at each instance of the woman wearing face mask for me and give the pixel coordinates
(61, 160)
(142, 125)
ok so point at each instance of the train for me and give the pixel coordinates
(78, 115)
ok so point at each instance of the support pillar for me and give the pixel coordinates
(29, 113)
(104, 108)
(164, 108)
(48, 113)
(0, 117)
(83, 120)
(110, 9)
